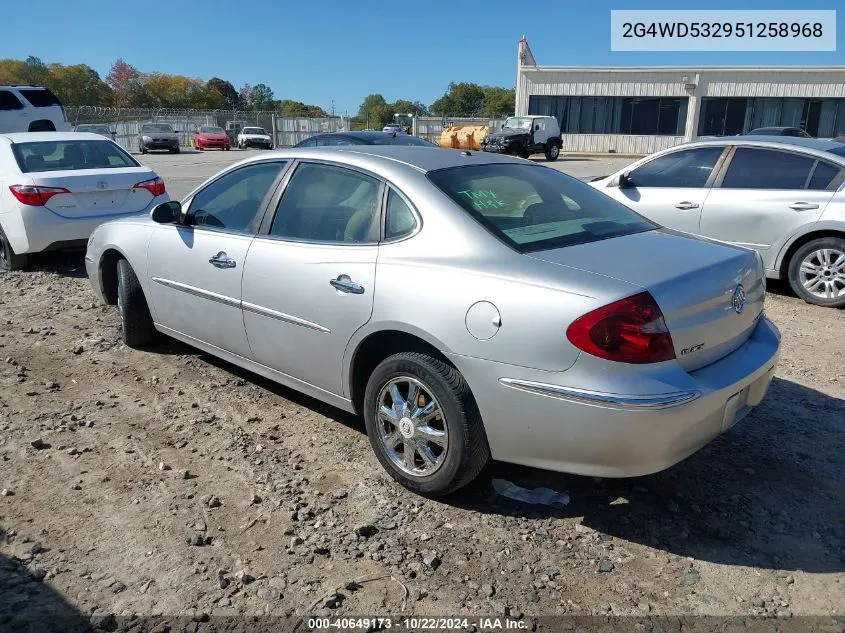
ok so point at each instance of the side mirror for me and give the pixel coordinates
(167, 212)
(625, 180)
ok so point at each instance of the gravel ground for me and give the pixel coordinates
(168, 482)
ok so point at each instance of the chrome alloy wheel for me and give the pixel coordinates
(411, 426)
(822, 273)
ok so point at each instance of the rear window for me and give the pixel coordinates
(533, 208)
(402, 139)
(70, 155)
(40, 98)
(156, 127)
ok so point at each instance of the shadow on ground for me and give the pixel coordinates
(29, 605)
(769, 493)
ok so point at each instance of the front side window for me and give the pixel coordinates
(70, 155)
(311, 142)
(689, 168)
(233, 201)
(533, 208)
(754, 168)
(324, 203)
(9, 101)
(400, 218)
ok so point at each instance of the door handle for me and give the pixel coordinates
(684, 206)
(803, 206)
(221, 260)
(344, 284)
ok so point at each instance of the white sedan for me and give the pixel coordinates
(57, 187)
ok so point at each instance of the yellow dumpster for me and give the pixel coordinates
(463, 136)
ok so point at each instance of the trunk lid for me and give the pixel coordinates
(96, 192)
(694, 281)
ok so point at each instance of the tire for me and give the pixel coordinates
(137, 323)
(820, 264)
(9, 259)
(465, 452)
(552, 151)
(525, 155)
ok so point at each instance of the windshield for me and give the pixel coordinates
(96, 129)
(252, 130)
(533, 208)
(156, 127)
(210, 129)
(70, 155)
(402, 139)
(518, 123)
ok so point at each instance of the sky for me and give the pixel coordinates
(342, 51)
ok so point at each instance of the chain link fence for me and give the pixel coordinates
(286, 131)
(125, 123)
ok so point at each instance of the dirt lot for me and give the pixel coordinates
(167, 482)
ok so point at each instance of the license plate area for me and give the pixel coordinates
(740, 404)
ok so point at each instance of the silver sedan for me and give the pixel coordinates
(782, 196)
(468, 305)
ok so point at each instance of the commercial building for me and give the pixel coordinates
(643, 110)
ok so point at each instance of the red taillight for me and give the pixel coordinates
(154, 185)
(628, 331)
(34, 195)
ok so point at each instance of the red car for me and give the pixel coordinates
(209, 136)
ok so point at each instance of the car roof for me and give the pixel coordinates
(814, 145)
(421, 159)
(363, 135)
(775, 127)
(34, 137)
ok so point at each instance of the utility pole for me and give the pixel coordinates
(332, 108)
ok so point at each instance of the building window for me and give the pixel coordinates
(823, 118)
(649, 116)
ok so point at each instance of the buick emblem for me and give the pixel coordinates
(102, 184)
(739, 299)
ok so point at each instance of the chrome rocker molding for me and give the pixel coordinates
(610, 400)
(237, 303)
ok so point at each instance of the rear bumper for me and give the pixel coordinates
(36, 229)
(623, 430)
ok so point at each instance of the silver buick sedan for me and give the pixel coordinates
(468, 305)
(782, 196)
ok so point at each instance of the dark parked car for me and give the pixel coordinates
(158, 136)
(363, 138)
(779, 131)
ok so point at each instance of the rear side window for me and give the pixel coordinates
(41, 98)
(323, 203)
(823, 176)
(753, 168)
(70, 155)
(689, 168)
(400, 218)
(9, 101)
(533, 208)
(402, 139)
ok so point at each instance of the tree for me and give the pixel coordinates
(403, 106)
(35, 71)
(376, 111)
(231, 99)
(262, 97)
(287, 107)
(78, 85)
(461, 99)
(245, 96)
(498, 102)
(12, 71)
(124, 80)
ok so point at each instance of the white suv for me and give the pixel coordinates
(31, 109)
